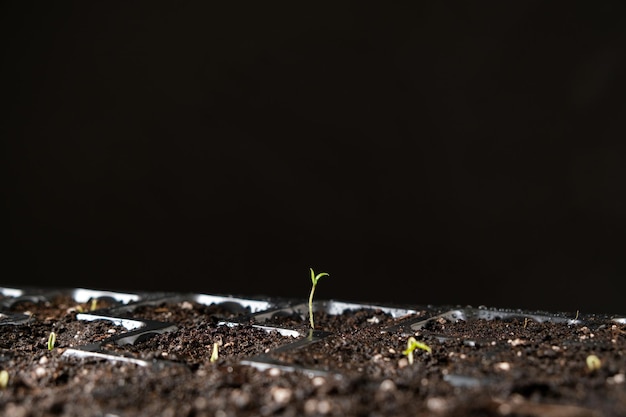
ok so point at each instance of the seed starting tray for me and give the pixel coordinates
(408, 320)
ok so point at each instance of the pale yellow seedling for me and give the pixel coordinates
(593, 363)
(215, 352)
(413, 344)
(4, 379)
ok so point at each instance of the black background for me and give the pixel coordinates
(431, 154)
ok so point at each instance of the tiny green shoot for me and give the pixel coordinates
(94, 305)
(51, 340)
(314, 279)
(413, 344)
(4, 379)
(214, 353)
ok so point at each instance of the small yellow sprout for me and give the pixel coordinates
(51, 340)
(94, 304)
(4, 379)
(413, 344)
(593, 362)
(214, 353)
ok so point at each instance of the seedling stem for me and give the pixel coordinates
(51, 340)
(413, 344)
(314, 279)
(4, 379)
(214, 353)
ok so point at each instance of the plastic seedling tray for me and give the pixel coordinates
(435, 325)
(332, 307)
(142, 329)
(306, 337)
(424, 325)
(256, 312)
(259, 313)
(172, 333)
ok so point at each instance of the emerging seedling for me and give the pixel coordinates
(215, 353)
(51, 340)
(4, 379)
(314, 279)
(413, 344)
(593, 363)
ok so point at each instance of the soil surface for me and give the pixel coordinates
(222, 359)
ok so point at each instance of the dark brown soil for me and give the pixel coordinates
(352, 365)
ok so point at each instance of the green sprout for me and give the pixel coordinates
(214, 353)
(51, 340)
(413, 344)
(314, 279)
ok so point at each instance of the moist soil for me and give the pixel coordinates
(352, 365)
